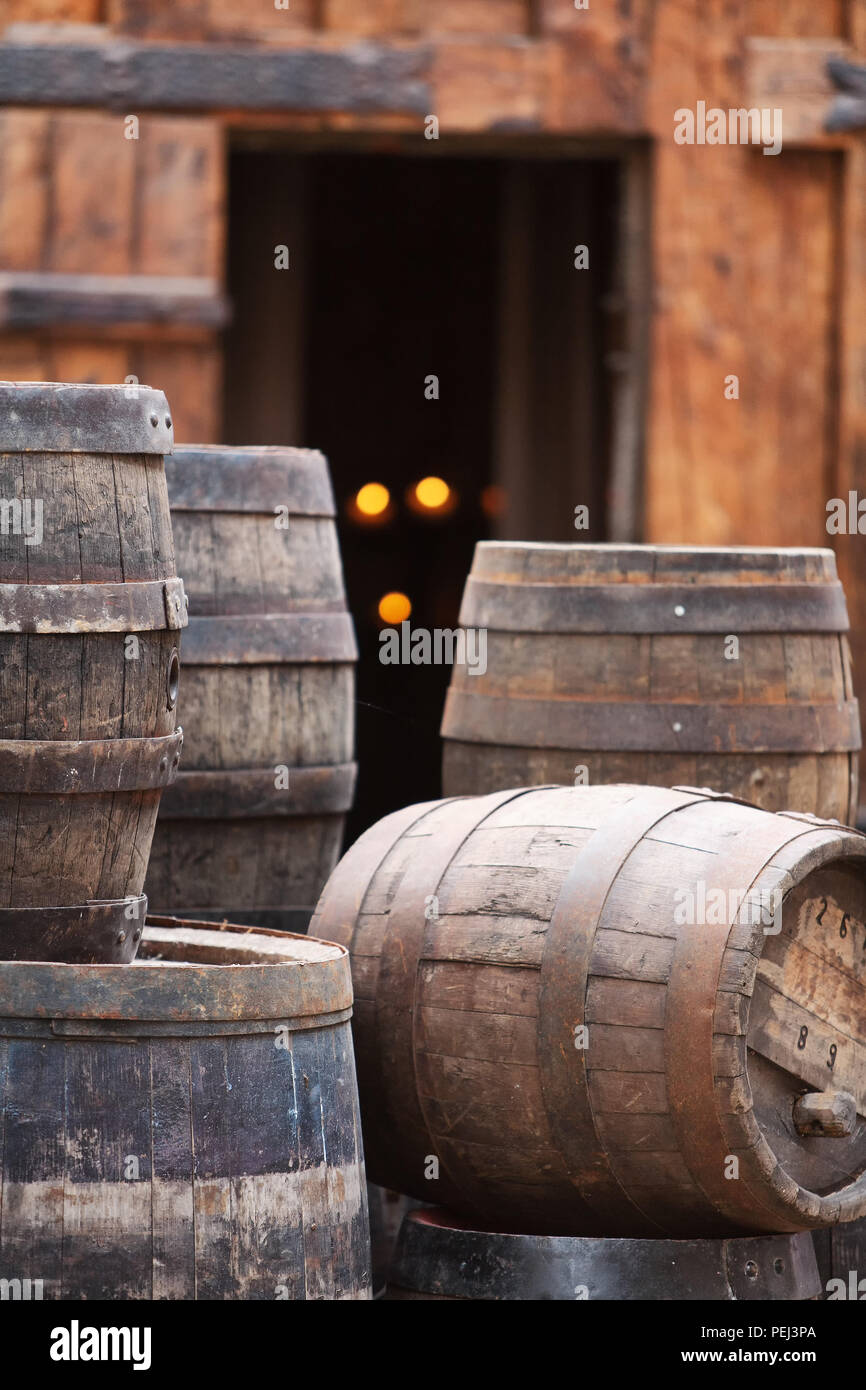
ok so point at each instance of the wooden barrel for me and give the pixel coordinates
(254, 822)
(598, 1010)
(90, 612)
(438, 1257)
(185, 1126)
(726, 668)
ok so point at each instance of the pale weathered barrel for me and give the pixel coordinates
(727, 668)
(90, 612)
(253, 825)
(185, 1126)
(439, 1257)
(605, 1010)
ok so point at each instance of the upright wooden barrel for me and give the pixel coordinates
(439, 1257)
(90, 612)
(659, 664)
(603, 1010)
(185, 1126)
(254, 823)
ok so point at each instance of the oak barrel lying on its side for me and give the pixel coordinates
(593, 1010)
(727, 668)
(253, 825)
(438, 1257)
(90, 613)
(185, 1126)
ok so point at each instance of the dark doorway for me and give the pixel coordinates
(432, 322)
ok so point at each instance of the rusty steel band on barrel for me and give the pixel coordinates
(223, 479)
(249, 792)
(80, 767)
(252, 638)
(411, 1136)
(450, 1261)
(282, 990)
(653, 609)
(84, 934)
(138, 606)
(689, 1067)
(60, 418)
(626, 726)
(564, 979)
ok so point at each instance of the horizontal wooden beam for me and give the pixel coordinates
(130, 76)
(31, 300)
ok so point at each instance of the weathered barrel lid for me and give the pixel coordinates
(71, 418)
(188, 972)
(252, 478)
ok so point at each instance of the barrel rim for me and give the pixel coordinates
(637, 548)
(250, 480)
(175, 991)
(78, 417)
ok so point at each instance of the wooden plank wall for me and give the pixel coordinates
(745, 265)
(77, 197)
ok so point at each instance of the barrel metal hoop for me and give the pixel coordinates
(460, 1263)
(86, 934)
(249, 480)
(653, 609)
(688, 1043)
(565, 971)
(56, 417)
(270, 638)
(80, 767)
(626, 726)
(397, 1012)
(141, 606)
(243, 793)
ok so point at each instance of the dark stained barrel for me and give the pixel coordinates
(253, 825)
(726, 668)
(90, 616)
(438, 1257)
(185, 1126)
(614, 1010)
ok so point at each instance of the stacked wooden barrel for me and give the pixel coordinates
(90, 616)
(252, 826)
(186, 1126)
(726, 668)
(613, 1011)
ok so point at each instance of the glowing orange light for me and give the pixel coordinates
(372, 499)
(432, 492)
(494, 500)
(394, 608)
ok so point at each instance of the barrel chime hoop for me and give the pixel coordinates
(60, 418)
(250, 480)
(654, 609)
(274, 993)
(242, 793)
(457, 1262)
(631, 726)
(60, 766)
(562, 995)
(139, 606)
(689, 1034)
(85, 933)
(253, 639)
(399, 970)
